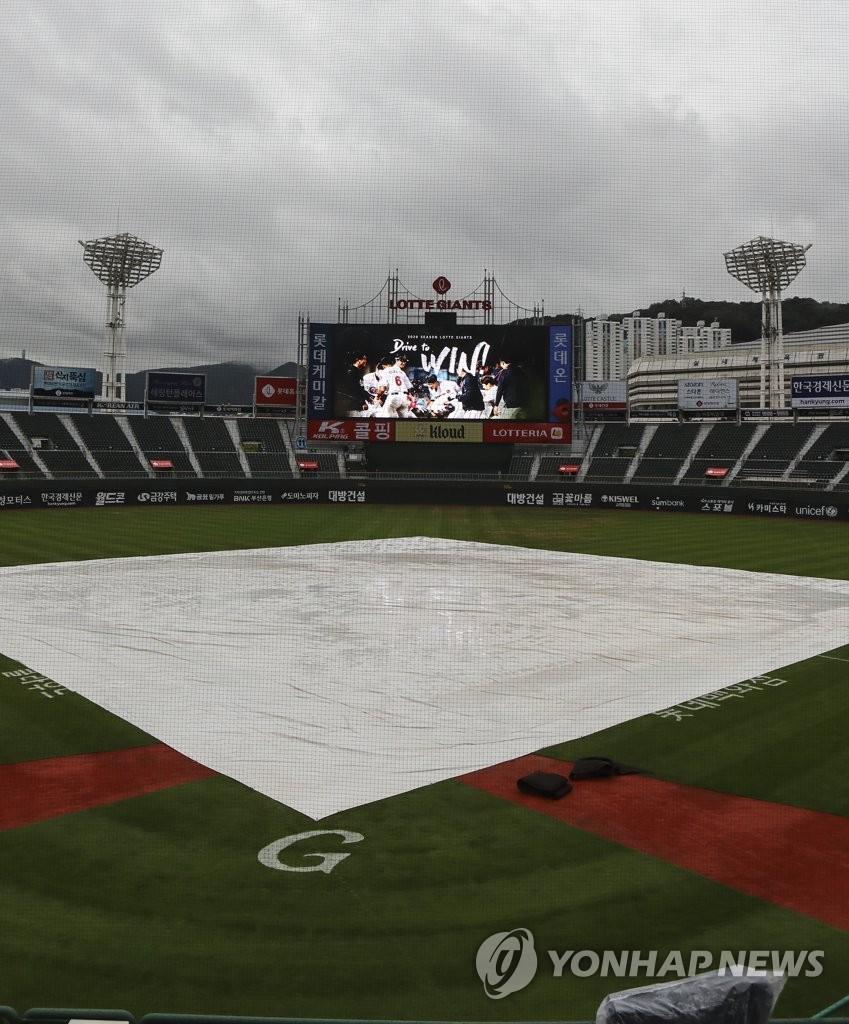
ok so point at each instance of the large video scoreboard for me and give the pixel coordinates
(407, 382)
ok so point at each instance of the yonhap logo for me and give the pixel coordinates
(506, 962)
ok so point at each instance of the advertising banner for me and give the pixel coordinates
(564, 494)
(275, 392)
(351, 430)
(167, 388)
(447, 430)
(820, 392)
(361, 377)
(715, 395)
(63, 382)
(604, 394)
(560, 374)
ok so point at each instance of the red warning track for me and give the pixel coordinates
(789, 856)
(37, 790)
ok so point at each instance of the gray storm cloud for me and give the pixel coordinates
(285, 154)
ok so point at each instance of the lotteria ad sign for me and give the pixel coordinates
(385, 382)
(275, 392)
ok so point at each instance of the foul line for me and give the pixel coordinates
(789, 856)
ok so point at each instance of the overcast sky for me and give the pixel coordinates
(594, 154)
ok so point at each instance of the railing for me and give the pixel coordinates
(49, 1015)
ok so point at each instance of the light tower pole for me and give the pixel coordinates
(766, 265)
(120, 262)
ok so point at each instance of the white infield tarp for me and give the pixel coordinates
(327, 676)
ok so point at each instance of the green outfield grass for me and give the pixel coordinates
(158, 903)
(808, 548)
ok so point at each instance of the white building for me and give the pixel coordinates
(604, 350)
(611, 347)
(653, 379)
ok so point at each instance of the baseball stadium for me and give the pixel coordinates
(376, 699)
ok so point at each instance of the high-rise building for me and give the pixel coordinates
(611, 346)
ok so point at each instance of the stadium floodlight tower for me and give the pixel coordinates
(120, 262)
(766, 265)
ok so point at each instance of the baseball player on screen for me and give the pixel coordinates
(396, 387)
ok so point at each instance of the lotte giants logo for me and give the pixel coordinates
(441, 285)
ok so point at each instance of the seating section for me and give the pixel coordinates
(68, 465)
(208, 435)
(657, 470)
(672, 441)
(273, 457)
(266, 432)
(220, 464)
(607, 461)
(109, 446)
(157, 438)
(615, 436)
(520, 466)
(765, 470)
(57, 449)
(213, 447)
(726, 441)
(834, 437)
(269, 464)
(697, 471)
(84, 446)
(782, 441)
(665, 452)
(155, 434)
(815, 471)
(48, 426)
(12, 446)
(608, 469)
(328, 463)
(549, 467)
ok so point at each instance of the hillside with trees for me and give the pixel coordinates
(744, 318)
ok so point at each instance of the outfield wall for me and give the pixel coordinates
(788, 503)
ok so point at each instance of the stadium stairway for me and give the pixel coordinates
(646, 437)
(25, 444)
(187, 444)
(757, 434)
(233, 430)
(816, 434)
(698, 441)
(131, 437)
(588, 454)
(69, 425)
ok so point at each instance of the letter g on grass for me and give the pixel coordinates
(506, 962)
